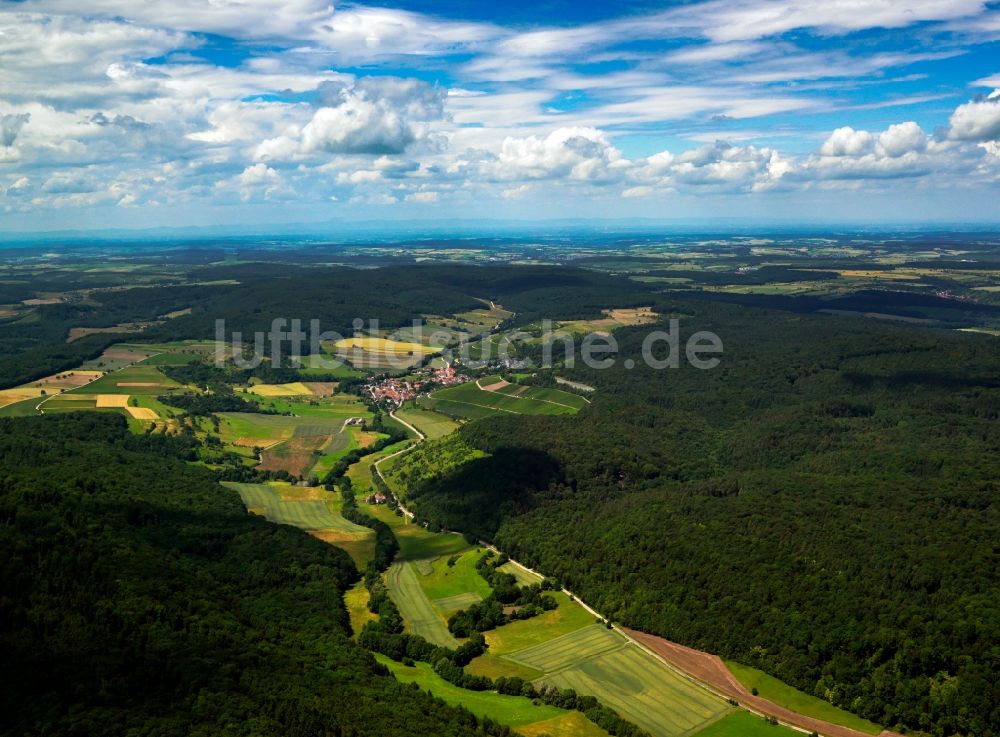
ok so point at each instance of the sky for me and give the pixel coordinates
(149, 113)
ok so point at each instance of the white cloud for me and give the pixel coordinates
(636, 192)
(729, 20)
(901, 138)
(582, 154)
(846, 142)
(259, 180)
(978, 120)
(378, 115)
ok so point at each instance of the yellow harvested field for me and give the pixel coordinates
(382, 345)
(494, 387)
(112, 400)
(896, 275)
(321, 388)
(137, 383)
(143, 413)
(12, 396)
(53, 384)
(281, 390)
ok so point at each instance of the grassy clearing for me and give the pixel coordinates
(432, 424)
(744, 724)
(494, 666)
(418, 612)
(141, 379)
(567, 617)
(356, 601)
(782, 694)
(524, 578)
(462, 578)
(643, 690)
(573, 724)
(510, 710)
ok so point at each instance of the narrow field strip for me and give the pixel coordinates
(418, 612)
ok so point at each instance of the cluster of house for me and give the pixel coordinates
(395, 391)
(377, 498)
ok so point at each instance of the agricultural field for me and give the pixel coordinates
(49, 386)
(432, 424)
(135, 379)
(517, 712)
(421, 616)
(642, 690)
(311, 512)
(741, 723)
(612, 320)
(494, 395)
(309, 508)
(297, 454)
(376, 352)
(782, 694)
(563, 647)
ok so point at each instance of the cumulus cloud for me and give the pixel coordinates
(10, 126)
(846, 142)
(259, 179)
(978, 120)
(582, 154)
(900, 139)
(729, 166)
(377, 115)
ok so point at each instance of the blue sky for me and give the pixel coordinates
(124, 114)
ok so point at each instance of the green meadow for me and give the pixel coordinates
(782, 694)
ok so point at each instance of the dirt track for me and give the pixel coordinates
(710, 669)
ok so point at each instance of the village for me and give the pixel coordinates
(393, 391)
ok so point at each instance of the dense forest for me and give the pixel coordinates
(823, 505)
(139, 598)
